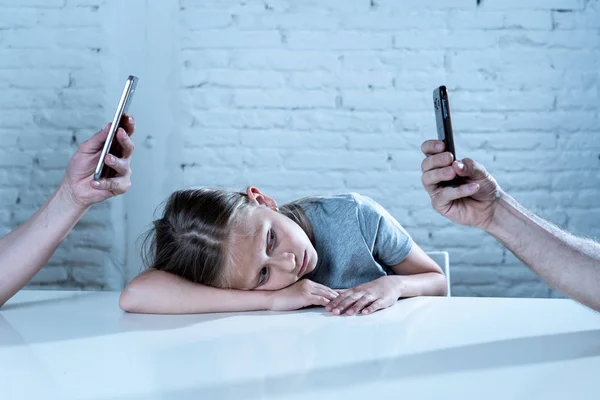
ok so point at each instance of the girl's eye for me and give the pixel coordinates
(271, 245)
(264, 276)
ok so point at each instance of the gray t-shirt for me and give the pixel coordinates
(356, 239)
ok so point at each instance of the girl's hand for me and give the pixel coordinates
(374, 295)
(301, 294)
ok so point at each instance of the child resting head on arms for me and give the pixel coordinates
(217, 250)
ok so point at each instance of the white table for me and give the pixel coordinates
(66, 345)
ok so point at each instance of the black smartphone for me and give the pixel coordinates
(441, 105)
(110, 145)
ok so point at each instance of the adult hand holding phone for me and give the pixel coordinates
(471, 203)
(79, 181)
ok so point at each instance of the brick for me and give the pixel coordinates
(202, 19)
(341, 79)
(576, 180)
(287, 139)
(213, 157)
(8, 195)
(284, 99)
(529, 289)
(509, 141)
(578, 99)
(388, 100)
(461, 237)
(204, 59)
(524, 19)
(501, 101)
(247, 119)
(461, 275)
(334, 160)
(534, 4)
(360, 180)
(341, 40)
(50, 275)
(34, 57)
(343, 121)
(225, 39)
(206, 137)
(587, 19)
(14, 159)
(245, 79)
(385, 6)
(89, 275)
(207, 98)
(285, 60)
(577, 141)
(381, 21)
(525, 180)
(226, 177)
(34, 3)
(252, 6)
(448, 39)
(296, 21)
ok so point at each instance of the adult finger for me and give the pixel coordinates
(437, 161)
(469, 168)
(431, 147)
(126, 143)
(432, 178)
(96, 142)
(117, 186)
(121, 166)
(450, 194)
(128, 124)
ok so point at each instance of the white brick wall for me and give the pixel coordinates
(308, 97)
(51, 101)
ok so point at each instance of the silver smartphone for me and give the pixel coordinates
(101, 170)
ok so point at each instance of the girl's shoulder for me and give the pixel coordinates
(349, 202)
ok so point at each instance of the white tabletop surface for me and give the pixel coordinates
(80, 345)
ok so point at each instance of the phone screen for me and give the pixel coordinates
(111, 146)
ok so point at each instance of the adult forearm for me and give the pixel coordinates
(24, 251)
(566, 262)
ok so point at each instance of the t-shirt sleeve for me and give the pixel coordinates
(389, 240)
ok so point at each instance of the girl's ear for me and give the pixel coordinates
(258, 198)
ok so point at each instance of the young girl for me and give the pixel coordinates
(215, 250)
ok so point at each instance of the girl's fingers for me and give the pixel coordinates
(317, 300)
(377, 305)
(360, 304)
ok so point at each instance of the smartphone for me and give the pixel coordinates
(101, 170)
(441, 105)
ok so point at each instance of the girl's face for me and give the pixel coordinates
(268, 251)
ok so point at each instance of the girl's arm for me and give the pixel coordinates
(159, 292)
(419, 275)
